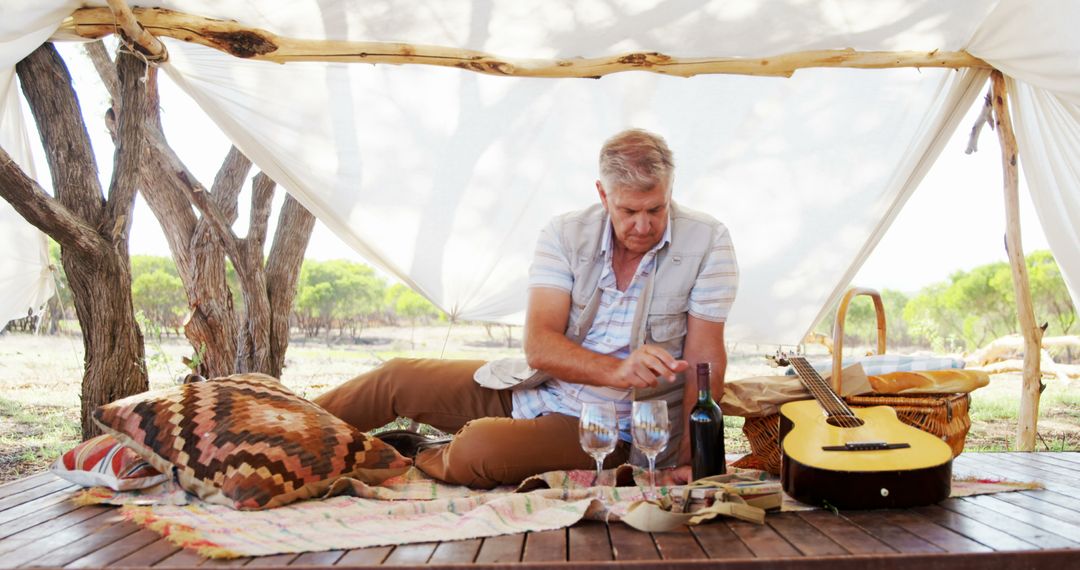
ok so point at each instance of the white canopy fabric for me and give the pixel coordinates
(444, 177)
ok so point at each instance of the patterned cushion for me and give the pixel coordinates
(103, 462)
(246, 441)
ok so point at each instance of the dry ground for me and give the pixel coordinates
(39, 386)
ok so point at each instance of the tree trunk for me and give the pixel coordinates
(255, 342)
(92, 231)
(294, 228)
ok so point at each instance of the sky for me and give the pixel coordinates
(931, 238)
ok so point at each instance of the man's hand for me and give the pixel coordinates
(645, 366)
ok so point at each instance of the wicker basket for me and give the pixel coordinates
(944, 415)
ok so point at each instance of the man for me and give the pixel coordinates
(624, 297)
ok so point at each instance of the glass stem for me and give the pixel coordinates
(599, 468)
(652, 476)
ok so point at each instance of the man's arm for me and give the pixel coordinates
(548, 349)
(704, 343)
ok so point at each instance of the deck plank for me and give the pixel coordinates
(148, 555)
(1035, 503)
(1054, 498)
(411, 554)
(456, 552)
(1070, 456)
(106, 555)
(719, 542)
(225, 562)
(1035, 461)
(935, 534)
(183, 558)
(19, 485)
(1026, 472)
(272, 561)
(628, 543)
(10, 518)
(62, 539)
(809, 540)
(972, 528)
(841, 531)
(500, 549)
(48, 488)
(877, 524)
(679, 544)
(48, 519)
(1042, 456)
(1007, 512)
(370, 556)
(322, 558)
(112, 530)
(546, 546)
(762, 540)
(588, 541)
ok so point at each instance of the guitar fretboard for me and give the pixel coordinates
(822, 392)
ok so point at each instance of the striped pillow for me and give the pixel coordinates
(103, 462)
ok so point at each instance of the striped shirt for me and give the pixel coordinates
(710, 299)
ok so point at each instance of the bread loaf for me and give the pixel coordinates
(929, 381)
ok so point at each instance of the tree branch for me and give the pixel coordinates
(197, 193)
(262, 198)
(47, 85)
(294, 228)
(229, 181)
(106, 68)
(137, 104)
(133, 33)
(44, 212)
(984, 118)
(253, 43)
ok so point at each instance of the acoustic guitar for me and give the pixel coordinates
(866, 458)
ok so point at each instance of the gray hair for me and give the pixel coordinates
(636, 159)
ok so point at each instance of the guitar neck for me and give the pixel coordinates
(819, 388)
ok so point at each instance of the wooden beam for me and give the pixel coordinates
(134, 33)
(1032, 388)
(253, 43)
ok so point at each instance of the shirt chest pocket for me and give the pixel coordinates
(667, 319)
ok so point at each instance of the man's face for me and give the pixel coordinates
(638, 218)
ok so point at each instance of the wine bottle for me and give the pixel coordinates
(706, 429)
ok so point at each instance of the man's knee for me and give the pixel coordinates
(475, 457)
(367, 400)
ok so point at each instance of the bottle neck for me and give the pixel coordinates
(704, 384)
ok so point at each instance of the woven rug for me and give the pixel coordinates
(411, 508)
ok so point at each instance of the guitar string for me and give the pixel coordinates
(834, 406)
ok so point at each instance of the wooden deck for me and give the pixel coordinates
(40, 527)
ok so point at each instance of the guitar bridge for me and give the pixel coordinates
(865, 446)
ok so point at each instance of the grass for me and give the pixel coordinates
(34, 436)
(40, 376)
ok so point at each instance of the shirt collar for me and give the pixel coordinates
(605, 243)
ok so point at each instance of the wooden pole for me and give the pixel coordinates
(1032, 387)
(133, 32)
(253, 43)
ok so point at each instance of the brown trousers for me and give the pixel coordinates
(489, 447)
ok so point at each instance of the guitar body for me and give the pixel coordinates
(866, 479)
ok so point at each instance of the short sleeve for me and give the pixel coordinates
(550, 266)
(717, 282)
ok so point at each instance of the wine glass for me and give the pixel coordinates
(649, 425)
(598, 431)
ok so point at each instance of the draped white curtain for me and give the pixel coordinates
(444, 177)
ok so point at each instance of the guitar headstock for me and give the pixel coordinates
(782, 357)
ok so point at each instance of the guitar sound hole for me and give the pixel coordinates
(844, 421)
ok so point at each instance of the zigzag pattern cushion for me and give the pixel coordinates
(246, 441)
(103, 462)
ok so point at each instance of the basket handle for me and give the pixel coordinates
(838, 329)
